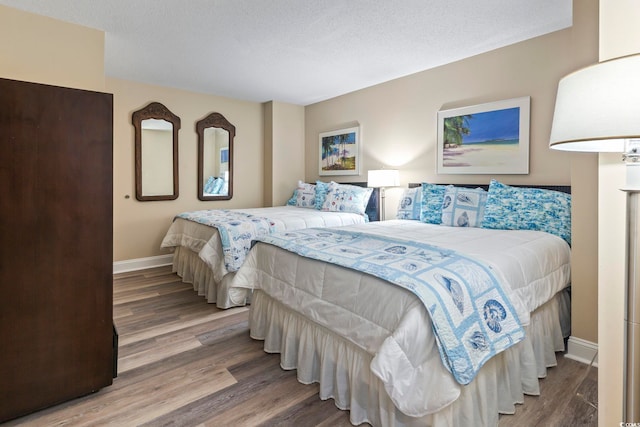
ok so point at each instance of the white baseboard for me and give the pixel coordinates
(142, 263)
(582, 350)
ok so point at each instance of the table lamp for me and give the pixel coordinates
(382, 178)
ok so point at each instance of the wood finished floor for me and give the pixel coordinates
(183, 362)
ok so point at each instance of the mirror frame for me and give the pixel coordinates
(155, 110)
(215, 120)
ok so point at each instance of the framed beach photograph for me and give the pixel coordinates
(491, 138)
(340, 152)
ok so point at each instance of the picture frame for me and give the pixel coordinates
(224, 155)
(490, 138)
(339, 152)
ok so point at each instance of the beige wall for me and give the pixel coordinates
(584, 180)
(398, 128)
(43, 50)
(619, 36)
(140, 226)
(284, 151)
(398, 118)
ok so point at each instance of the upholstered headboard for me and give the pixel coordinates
(561, 188)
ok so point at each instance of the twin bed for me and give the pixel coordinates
(198, 255)
(498, 259)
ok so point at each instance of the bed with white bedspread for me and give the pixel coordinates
(371, 345)
(209, 245)
(198, 252)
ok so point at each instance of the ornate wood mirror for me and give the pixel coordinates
(156, 141)
(215, 157)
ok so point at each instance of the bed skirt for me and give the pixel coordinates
(342, 369)
(191, 269)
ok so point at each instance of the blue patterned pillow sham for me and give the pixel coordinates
(208, 186)
(410, 204)
(346, 198)
(306, 195)
(321, 193)
(512, 208)
(218, 185)
(463, 207)
(431, 203)
(214, 185)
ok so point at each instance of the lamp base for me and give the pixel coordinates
(382, 197)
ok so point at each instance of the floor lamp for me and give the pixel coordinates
(382, 178)
(598, 110)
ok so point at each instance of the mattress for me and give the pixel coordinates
(389, 323)
(199, 259)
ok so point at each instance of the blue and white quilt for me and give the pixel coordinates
(471, 314)
(236, 229)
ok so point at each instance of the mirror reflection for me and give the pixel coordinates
(156, 144)
(157, 157)
(216, 162)
(215, 157)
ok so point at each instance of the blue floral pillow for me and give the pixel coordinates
(463, 207)
(306, 195)
(294, 198)
(513, 208)
(321, 193)
(431, 203)
(346, 198)
(410, 204)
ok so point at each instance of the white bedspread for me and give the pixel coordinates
(205, 240)
(389, 322)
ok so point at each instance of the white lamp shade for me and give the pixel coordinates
(383, 178)
(598, 107)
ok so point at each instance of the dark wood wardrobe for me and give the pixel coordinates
(56, 245)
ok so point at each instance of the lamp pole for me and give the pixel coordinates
(632, 311)
(632, 287)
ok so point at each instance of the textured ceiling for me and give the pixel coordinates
(296, 51)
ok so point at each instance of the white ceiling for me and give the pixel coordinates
(296, 51)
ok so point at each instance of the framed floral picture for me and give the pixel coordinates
(340, 152)
(491, 138)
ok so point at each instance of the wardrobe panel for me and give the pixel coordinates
(56, 256)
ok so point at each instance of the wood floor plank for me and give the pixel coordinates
(310, 411)
(126, 363)
(190, 385)
(224, 404)
(137, 295)
(175, 326)
(121, 312)
(142, 401)
(142, 282)
(207, 333)
(185, 363)
(268, 401)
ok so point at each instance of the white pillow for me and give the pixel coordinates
(306, 195)
(346, 198)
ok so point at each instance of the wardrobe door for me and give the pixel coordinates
(56, 255)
